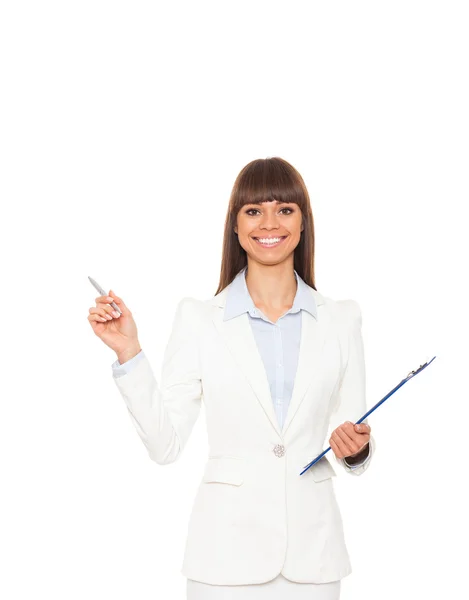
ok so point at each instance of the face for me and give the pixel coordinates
(258, 224)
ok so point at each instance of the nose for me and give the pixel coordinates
(269, 221)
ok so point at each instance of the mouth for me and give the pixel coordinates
(270, 244)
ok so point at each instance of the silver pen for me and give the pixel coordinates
(104, 293)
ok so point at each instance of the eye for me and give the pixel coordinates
(255, 209)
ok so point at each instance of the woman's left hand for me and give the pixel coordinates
(349, 439)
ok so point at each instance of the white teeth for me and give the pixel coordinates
(269, 240)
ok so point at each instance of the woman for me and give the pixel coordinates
(278, 366)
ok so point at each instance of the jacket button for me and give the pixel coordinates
(279, 450)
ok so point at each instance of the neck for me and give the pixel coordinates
(271, 286)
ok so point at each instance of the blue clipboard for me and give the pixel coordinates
(405, 380)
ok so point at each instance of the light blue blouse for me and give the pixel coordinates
(278, 343)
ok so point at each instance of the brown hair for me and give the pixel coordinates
(262, 180)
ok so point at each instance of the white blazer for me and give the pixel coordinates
(253, 515)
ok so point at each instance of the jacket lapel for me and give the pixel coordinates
(313, 337)
(239, 338)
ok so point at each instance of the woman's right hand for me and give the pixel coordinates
(119, 333)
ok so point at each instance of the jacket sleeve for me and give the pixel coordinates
(165, 414)
(349, 400)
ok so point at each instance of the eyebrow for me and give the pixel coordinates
(276, 201)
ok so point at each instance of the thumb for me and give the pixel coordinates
(362, 428)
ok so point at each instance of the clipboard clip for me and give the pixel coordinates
(412, 373)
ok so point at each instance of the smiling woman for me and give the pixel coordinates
(278, 366)
(269, 220)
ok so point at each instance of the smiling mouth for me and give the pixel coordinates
(270, 244)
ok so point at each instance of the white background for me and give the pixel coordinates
(123, 127)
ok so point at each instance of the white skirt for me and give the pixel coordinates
(279, 588)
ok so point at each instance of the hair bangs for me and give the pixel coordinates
(268, 180)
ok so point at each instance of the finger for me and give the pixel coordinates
(102, 312)
(339, 444)
(356, 431)
(102, 302)
(96, 317)
(334, 447)
(120, 303)
(361, 438)
(104, 299)
(337, 449)
(108, 310)
(343, 439)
